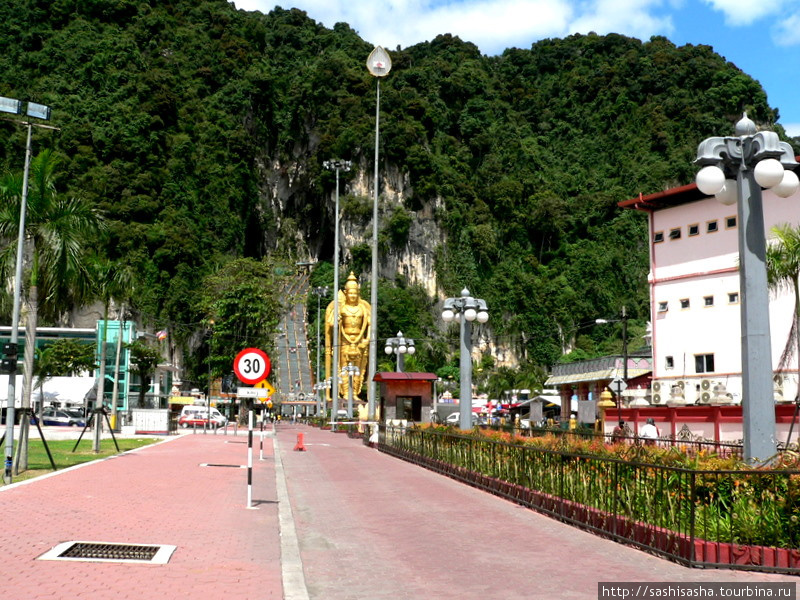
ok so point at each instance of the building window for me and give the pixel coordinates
(711, 227)
(684, 303)
(708, 300)
(663, 306)
(694, 229)
(658, 236)
(704, 363)
(675, 234)
(730, 222)
(733, 298)
(669, 362)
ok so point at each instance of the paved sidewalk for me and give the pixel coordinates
(338, 521)
(157, 495)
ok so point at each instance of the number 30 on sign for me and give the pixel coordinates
(251, 365)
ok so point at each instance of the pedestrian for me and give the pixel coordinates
(619, 433)
(649, 432)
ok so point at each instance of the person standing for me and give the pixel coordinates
(619, 433)
(649, 432)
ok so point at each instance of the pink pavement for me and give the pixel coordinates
(156, 495)
(363, 524)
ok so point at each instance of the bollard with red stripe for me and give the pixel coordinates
(300, 445)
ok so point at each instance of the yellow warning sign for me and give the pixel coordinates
(267, 386)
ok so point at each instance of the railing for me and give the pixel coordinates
(734, 519)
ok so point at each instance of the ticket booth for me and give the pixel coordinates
(406, 396)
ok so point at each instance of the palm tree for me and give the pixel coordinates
(113, 281)
(58, 232)
(783, 271)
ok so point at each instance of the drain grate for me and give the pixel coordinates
(109, 552)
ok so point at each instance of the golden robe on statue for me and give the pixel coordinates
(355, 315)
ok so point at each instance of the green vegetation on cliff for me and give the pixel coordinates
(200, 132)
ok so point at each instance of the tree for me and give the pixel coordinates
(58, 231)
(783, 271)
(144, 360)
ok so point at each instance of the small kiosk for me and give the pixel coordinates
(406, 396)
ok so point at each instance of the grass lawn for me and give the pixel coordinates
(61, 450)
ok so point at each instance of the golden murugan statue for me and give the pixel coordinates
(355, 315)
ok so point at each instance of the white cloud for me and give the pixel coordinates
(492, 25)
(634, 18)
(787, 31)
(745, 12)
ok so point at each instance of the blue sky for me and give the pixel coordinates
(761, 38)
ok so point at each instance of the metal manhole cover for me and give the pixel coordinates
(153, 554)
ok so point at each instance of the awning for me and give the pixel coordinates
(588, 377)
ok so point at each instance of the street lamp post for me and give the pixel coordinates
(336, 165)
(465, 309)
(320, 388)
(379, 64)
(735, 168)
(208, 398)
(39, 111)
(319, 292)
(400, 346)
(350, 370)
(624, 321)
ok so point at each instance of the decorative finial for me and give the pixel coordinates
(745, 126)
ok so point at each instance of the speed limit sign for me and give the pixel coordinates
(251, 365)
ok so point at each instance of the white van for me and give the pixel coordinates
(198, 416)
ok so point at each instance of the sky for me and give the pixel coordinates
(762, 38)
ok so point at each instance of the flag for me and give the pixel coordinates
(162, 335)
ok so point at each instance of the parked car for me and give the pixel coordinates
(61, 417)
(455, 419)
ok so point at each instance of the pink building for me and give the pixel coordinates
(694, 294)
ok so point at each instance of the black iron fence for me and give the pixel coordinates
(734, 519)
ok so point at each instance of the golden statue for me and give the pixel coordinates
(354, 328)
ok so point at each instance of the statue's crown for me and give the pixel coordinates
(352, 282)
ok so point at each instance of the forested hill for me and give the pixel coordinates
(201, 130)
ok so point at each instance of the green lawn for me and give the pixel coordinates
(63, 456)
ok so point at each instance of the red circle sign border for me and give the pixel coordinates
(244, 378)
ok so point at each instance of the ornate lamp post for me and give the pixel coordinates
(320, 388)
(735, 168)
(39, 111)
(465, 309)
(378, 64)
(319, 292)
(400, 346)
(350, 370)
(336, 165)
(624, 321)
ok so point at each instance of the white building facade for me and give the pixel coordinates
(695, 297)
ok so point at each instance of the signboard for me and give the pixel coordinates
(251, 365)
(252, 392)
(267, 386)
(618, 385)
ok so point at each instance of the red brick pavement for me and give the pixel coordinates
(368, 526)
(373, 526)
(157, 495)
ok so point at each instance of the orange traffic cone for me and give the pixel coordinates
(299, 445)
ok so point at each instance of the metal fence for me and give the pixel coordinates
(732, 519)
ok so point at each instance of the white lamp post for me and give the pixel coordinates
(350, 370)
(400, 346)
(465, 309)
(39, 111)
(336, 165)
(320, 388)
(319, 292)
(736, 168)
(378, 64)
